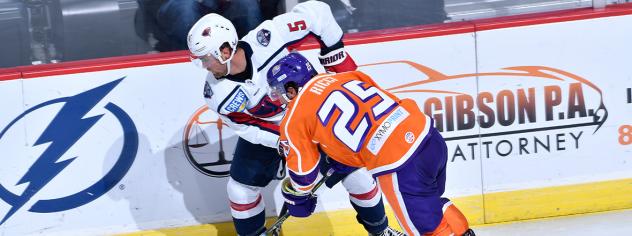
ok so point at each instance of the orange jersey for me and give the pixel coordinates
(354, 121)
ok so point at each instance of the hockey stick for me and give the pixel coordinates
(285, 214)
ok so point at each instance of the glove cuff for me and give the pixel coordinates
(333, 58)
(337, 61)
(291, 195)
(283, 148)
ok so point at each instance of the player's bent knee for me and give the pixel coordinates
(245, 201)
(240, 192)
(359, 181)
(362, 188)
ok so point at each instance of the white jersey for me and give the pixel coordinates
(241, 100)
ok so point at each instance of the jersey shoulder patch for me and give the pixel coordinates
(236, 101)
(208, 93)
(263, 37)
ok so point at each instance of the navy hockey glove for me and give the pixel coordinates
(298, 204)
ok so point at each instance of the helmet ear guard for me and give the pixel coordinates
(291, 84)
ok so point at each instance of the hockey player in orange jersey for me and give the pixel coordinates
(235, 89)
(358, 124)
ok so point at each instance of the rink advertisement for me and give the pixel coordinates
(507, 120)
(99, 153)
(537, 119)
(575, 136)
(63, 131)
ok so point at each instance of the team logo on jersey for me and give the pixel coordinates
(409, 137)
(74, 122)
(208, 93)
(263, 37)
(238, 102)
(518, 111)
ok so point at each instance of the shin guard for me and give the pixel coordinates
(366, 199)
(247, 208)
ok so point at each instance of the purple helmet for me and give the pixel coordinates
(292, 70)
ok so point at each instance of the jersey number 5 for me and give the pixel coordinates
(296, 26)
(349, 111)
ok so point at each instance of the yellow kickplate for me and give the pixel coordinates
(558, 201)
(492, 208)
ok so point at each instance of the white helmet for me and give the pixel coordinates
(209, 34)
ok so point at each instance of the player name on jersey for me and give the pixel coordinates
(319, 86)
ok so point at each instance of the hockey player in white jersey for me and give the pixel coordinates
(236, 89)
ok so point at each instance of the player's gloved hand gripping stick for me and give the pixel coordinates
(274, 229)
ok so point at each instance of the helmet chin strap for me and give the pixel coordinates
(227, 68)
(232, 54)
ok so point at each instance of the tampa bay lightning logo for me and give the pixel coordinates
(67, 127)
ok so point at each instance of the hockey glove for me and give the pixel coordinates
(298, 204)
(337, 61)
(283, 148)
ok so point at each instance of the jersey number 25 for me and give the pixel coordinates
(342, 101)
